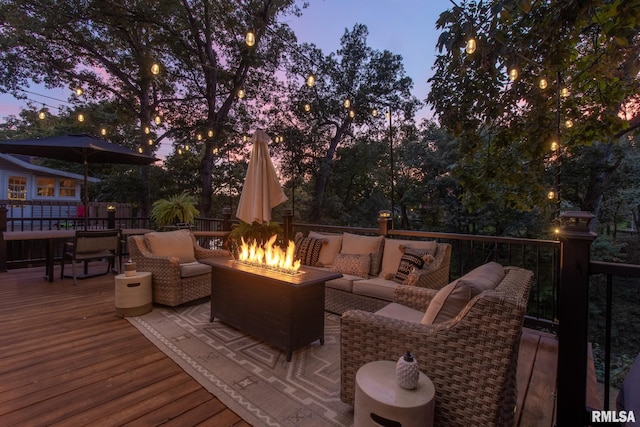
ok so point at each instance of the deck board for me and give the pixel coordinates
(68, 360)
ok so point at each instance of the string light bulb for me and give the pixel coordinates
(150, 142)
(311, 80)
(81, 117)
(210, 133)
(568, 123)
(352, 114)
(140, 150)
(250, 38)
(155, 69)
(513, 74)
(307, 107)
(42, 115)
(564, 92)
(543, 84)
(157, 119)
(79, 91)
(554, 145)
(147, 130)
(347, 103)
(471, 46)
(199, 137)
(551, 195)
(103, 131)
(374, 112)
(241, 93)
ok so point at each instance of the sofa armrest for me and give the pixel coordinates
(414, 297)
(203, 253)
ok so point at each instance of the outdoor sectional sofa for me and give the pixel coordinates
(372, 267)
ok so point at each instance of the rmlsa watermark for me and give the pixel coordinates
(613, 417)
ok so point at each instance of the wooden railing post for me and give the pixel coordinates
(226, 219)
(287, 219)
(573, 315)
(385, 222)
(3, 243)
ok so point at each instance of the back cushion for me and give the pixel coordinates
(172, 243)
(356, 244)
(330, 249)
(451, 299)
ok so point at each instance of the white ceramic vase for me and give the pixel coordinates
(407, 371)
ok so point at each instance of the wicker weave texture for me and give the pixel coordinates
(168, 287)
(471, 359)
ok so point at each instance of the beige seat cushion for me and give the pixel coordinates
(393, 250)
(344, 283)
(191, 269)
(357, 244)
(330, 249)
(375, 287)
(172, 243)
(401, 312)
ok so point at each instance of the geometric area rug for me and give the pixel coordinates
(250, 377)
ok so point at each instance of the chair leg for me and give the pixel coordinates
(73, 271)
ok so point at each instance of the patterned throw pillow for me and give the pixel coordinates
(308, 250)
(412, 259)
(353, 264)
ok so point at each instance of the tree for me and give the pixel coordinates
(567, 89)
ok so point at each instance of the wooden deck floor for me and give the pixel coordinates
(68, 360)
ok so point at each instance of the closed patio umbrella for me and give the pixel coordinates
(82, 148)
(261, 190)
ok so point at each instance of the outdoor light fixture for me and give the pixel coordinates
(81, 117)
(210, 133)
(513, 74)
(42, 115)
(250, 38)
(103, 131)
(564, 92)
(471, 45)
(347, 103)
(543, 83)
(311, 80)
(155, 69)
(241, 93)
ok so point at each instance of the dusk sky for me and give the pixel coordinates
(404, 27)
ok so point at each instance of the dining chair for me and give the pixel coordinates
(92, 245)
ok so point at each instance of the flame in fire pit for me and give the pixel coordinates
(269, 255)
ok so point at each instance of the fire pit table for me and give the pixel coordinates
(284, 310)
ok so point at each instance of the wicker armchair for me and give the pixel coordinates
(174, 283)
(471, 359)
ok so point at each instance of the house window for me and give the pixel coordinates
(67, 188)
(17, 188)
(46, 187)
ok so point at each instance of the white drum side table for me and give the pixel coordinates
(133, 294)
(380, 401)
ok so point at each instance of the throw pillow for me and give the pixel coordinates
(448, 302)
(393, 250)
(353, 264)
(308, 250)
(178, 244)
(411, 260)
(357, 244)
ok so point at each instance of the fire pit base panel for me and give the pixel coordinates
(286, 311)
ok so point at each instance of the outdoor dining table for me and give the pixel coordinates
(51, 236)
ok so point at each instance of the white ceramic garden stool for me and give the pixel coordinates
(133, 294)
(380, 401)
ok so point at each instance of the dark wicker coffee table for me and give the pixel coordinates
(286, 311)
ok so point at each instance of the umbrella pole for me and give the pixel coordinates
(85, 197)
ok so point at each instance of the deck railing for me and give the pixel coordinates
(559, 297)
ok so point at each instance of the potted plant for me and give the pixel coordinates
(176, 209)
(261, 233)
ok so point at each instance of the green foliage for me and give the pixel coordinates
(255, 231)
(175, 209)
